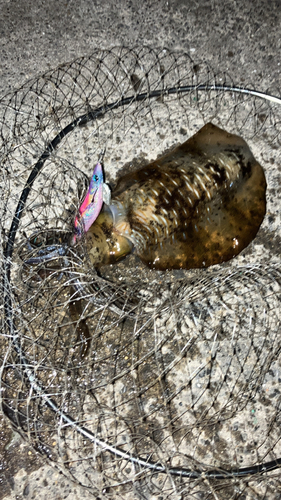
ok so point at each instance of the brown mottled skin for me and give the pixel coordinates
(200, 204)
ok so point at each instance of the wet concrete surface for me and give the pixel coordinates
(240, 37)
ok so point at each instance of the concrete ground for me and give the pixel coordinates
(241, 37)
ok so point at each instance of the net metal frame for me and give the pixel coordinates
(46, 126)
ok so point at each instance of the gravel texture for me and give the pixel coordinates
(240, 37)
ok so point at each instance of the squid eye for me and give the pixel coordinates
(96, 178)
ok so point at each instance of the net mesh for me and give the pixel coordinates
(137, 383)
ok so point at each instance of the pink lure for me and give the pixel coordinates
(92, 204)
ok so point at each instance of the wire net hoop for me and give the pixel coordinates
(131, 381)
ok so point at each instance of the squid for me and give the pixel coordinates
(198, 205)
